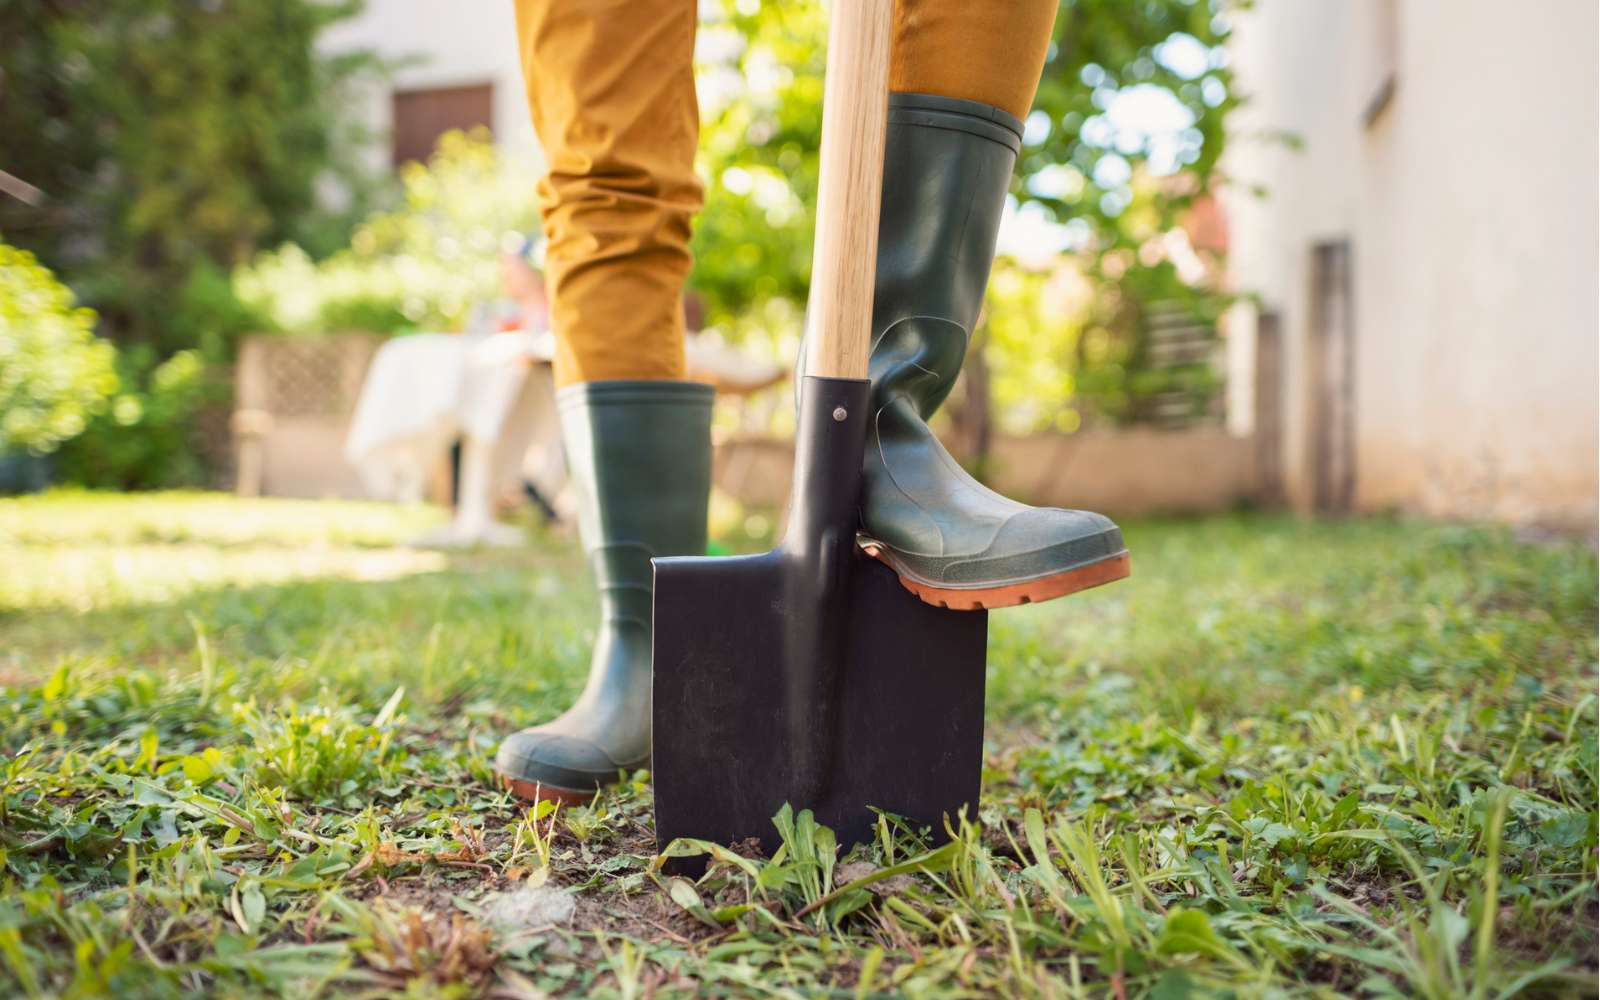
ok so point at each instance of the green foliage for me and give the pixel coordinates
(209, 317)
(155, 192)
(422, 265)
(145, 438)
(1064, 349)
(1286, 759)
(1123, 195)
(1123, 380)
(760, 80)
(54, 373)
(167, 135)
(1119, 192)
(1032, 344)
(1082, 161)
(320, 752)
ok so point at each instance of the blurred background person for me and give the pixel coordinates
(486, 398)
(484, 394)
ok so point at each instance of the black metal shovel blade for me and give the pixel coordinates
(904, 732)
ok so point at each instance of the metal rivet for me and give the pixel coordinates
(839, 413)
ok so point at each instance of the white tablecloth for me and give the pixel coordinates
(425, 391)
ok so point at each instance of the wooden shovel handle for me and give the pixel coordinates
(855, 106)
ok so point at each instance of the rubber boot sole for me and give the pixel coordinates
(1005, 595)
(534, 791)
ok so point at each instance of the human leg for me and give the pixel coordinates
(964, 74)
(611, 90)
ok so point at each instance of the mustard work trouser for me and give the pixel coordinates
(611, 87)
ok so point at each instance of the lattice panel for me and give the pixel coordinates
(304, 379)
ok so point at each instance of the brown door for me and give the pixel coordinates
(422, 116)
(1333, 466)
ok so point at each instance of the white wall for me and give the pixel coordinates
(1470, 202)
(1289, 55)
(439, 43)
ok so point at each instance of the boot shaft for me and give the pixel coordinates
(947, 168)
(639, 453)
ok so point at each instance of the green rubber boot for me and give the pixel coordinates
(639, 453)
(953, 541)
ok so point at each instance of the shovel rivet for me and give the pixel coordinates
(839, 413)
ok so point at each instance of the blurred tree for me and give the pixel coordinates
(759, 79)
(1128, 90)
(169, 139)
(1123, 144)
(1124, 140)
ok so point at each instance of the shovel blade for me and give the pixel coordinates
(905, 734)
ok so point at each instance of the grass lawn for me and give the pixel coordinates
(246, 744)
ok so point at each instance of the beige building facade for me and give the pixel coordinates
(450, 65)
(1413, 202)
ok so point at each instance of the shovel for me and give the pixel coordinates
(808, 675)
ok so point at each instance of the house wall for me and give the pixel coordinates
(1470, 205)
(436, 44)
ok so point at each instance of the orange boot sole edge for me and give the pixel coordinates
(533, 791)
(1045, 588)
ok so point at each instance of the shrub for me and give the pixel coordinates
(207, 315)
(1067, 347)
(423, 265)
(146, 438)
(54, 372)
